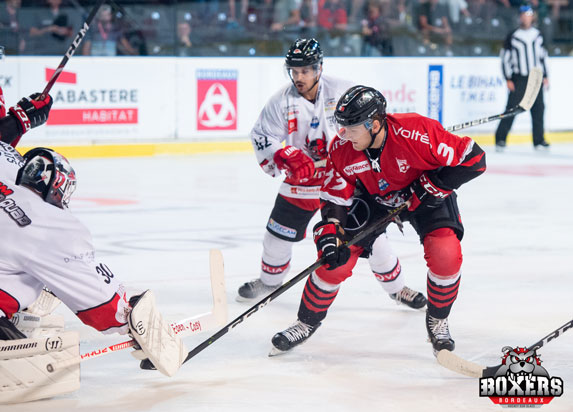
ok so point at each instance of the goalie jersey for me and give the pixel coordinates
(47, 246)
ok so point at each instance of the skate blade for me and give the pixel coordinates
(276, 352)
(241, 299)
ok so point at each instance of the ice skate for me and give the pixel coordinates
(409, 297)
(254, 289)
(439, 334)
(294, 335)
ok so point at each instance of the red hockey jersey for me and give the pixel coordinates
(414, 144)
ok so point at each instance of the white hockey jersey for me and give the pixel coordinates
(43, 245)
(290, 118)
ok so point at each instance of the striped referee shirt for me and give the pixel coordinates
(522, 50)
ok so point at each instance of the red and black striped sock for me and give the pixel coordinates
(442, 294)
(315, 302)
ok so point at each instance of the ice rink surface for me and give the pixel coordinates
(154, 219)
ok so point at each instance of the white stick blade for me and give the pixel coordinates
(534, 82)
(217, 268)
(454, 363)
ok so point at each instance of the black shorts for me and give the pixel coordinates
(423, 221)
(447, 215)
(287, 221)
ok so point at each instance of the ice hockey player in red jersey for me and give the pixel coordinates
(393, 158)
(27, 114)
(302, 115)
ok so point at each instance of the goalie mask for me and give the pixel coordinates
(49, 174)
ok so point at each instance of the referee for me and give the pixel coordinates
(522, 50)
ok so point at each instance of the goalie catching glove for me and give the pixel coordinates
(328, 237)
(154, 335)
(297, 164)
(428, 191)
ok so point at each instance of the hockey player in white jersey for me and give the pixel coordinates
(46, 246)
(301, 115)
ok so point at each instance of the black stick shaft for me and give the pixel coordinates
(553, 335)
(290, 283)
(509, 113)
(489, 371)
(71, 50)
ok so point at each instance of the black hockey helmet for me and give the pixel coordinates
(359, 105)
(49, 174)
(304, 52)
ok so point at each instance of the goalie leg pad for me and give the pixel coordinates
(24, 374)
(155, 336)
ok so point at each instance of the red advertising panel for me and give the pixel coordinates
(216, 99)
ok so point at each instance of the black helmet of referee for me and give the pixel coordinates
(304, 52)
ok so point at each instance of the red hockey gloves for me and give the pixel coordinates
(427, 191)
(295, 162)
(30, 112)
(328, 240)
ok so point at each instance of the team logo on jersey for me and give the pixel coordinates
(317, 148)
(11, 208)
(521, 381)
(314, 122)
(217, 99)
(383, 184)
(403, 165)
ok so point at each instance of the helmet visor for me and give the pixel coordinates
(352, 132)
(302, 72)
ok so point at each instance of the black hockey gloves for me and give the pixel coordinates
(31, 113)
(328, 239)
(428, 191)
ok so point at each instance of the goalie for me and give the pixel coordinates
(46, 246)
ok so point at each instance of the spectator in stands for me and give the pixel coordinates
(51, 30)
(456, 9)
(105, 35)
(184, 39)
(433, 23)
(332, 15)
(377, 39)
(309, 16)
(11, 32)
(260, 14)
(241, 16)
(287, 15)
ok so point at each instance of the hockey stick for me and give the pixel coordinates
(457, 364)
(534, 82)
(286, 286)
(72, 49)
(186, 327)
